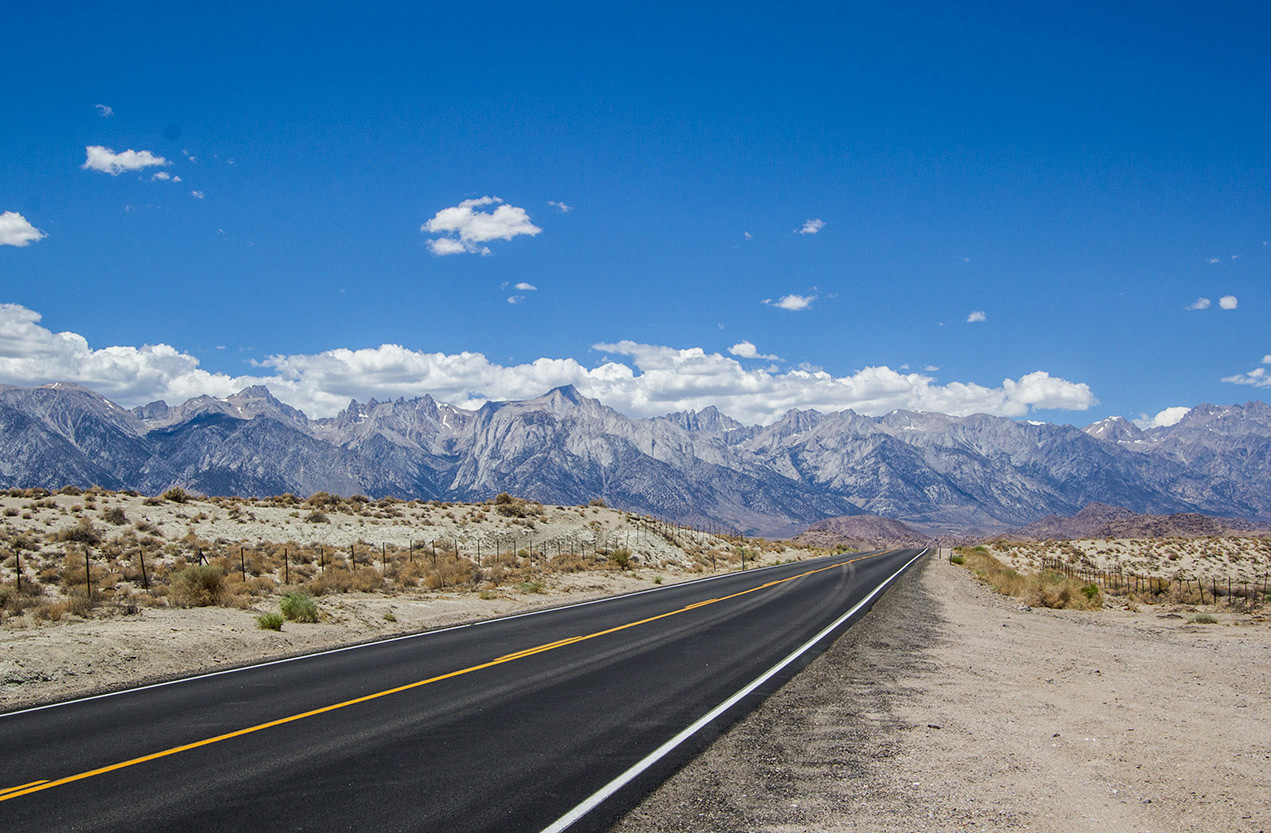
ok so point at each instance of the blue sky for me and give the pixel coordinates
(1005, 207)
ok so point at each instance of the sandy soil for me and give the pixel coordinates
(950, 708)
(1241, 558)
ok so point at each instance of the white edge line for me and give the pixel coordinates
(662, 751)
(390, 639)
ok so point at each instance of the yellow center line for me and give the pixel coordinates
(21, 787)
(37, 786)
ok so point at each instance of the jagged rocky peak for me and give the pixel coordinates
(1115, 429)
(249, 403)
(1249, 418)
(709, 420)
(562, 401)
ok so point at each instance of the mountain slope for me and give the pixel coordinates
(701, 467)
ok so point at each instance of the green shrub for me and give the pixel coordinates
(621, 557)
(530, 586)
(957, 558)
(1090, 591)
(269, 622)
(115, 515)
(1205, 619)
(299, 607)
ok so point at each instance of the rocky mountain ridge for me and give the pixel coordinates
(700, 467)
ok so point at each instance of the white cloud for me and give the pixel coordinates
(108, 162)
(446, 246)
(515, 299)
(654, 380)
(475, 227)
(793, 303)
(811, 227)
(16, 231)
(105, 110)
(526, 287)
(931, 368)
(1214, 260)
(977, 315)
(747, 235)
(746, 350)
(1258, 377)
(1228, 302)
(1164, 419)
(560, 206)
(198, 195)
(1199, 303)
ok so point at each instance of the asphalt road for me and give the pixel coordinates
(505, 725)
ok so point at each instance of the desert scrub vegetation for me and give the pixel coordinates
(1047, 588)
(92, 552)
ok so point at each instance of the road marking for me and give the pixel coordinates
(39, 786)
(391, 639)
(665, 749)
(22, 787)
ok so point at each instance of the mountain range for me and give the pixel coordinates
(698, 467)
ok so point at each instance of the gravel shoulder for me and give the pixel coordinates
(948, 707)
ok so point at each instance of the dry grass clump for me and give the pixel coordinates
(1047, 588)
(201, 585)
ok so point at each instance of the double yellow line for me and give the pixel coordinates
(37, 786)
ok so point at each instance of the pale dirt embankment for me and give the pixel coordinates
(949, 708)
(511, 557)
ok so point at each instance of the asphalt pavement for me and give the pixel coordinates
(552, 720)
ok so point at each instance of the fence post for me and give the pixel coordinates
(88, 577)
(286, 567)
(242, 562)
(145, 580)
(17, 553)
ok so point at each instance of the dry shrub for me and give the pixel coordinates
(201, 585)
(49, 611)
(1045, 589)
(367, 580)
(83, 533)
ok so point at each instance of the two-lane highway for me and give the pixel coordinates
(556, 719)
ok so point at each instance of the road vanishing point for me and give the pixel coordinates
(552, 720)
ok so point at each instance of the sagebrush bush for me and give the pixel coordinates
(201, 585)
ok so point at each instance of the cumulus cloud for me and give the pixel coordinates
(105, 110)
(1164, 419)
(198, 195)
(746, 350)
(15, 230)
(515, 299)
(1228, 302)
(1258, 377)
(811, 227)
(793, 303)
(652, 380)
(108, 162)
(526, 287)
(472, 227)
(977, 315)
(1199, 303)
(560, 206)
